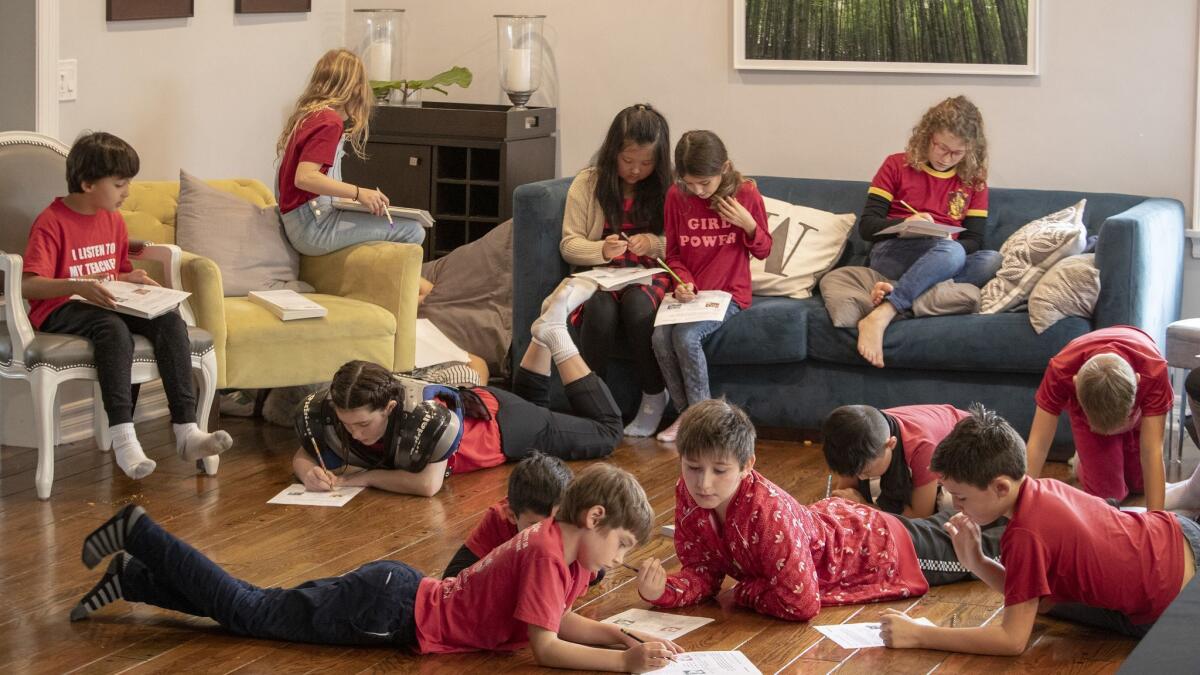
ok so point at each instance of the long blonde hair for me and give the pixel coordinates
(960, 117)
(339, 80)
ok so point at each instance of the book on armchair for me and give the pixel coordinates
(421, 216)
(141, 300)
(287, 304)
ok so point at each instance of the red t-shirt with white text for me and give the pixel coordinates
(493, 530)
(706, 250)
(1154, 394)
(1072, 547)
(490, 605)
(66, 244)
(316, 140)
(922, 427)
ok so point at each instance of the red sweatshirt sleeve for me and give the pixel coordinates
(760, 243)
(784, 585)
(695, 544)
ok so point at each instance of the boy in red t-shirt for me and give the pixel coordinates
(519, 594)
(788, 559)
(1114, 385)
(77, 243)
(535, 487)
(894, 445)
(1065, 552)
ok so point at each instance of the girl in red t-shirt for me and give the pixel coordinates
(335, 107)
(713, 218)
(613, 218)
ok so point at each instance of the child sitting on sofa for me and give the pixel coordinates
(940, 177)
(714, 221)
(1066, 553)
(788, 559)
(1114, 385)
(535, 488)
(894, 445)
(520, 594)
(75, 244)
(372, 432)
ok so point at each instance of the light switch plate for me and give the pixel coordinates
(68, 79)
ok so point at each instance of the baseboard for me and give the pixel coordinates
(75, 418)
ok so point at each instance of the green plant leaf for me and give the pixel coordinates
(457, 75)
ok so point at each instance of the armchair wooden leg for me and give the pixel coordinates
(44, 389)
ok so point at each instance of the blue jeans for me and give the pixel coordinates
(679, 349)
(372, 605)
(921, 263)
(316, 228)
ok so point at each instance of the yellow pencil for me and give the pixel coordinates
(387, 213)
(909, 207)
(669, 271)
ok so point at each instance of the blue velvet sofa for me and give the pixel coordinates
(785, 362)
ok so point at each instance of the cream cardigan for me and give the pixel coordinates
(583, 224)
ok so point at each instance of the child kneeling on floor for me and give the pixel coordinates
(788, 559)
(519, 594)
(1066, 553)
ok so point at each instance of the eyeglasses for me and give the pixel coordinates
(948, 151)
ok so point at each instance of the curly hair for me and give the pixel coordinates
(338, 80)
(956, 115)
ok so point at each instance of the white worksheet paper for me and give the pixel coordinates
(298, 495)
(708, 306)
(858, 635)
(710, 663)
(614, 278)
(658, 624)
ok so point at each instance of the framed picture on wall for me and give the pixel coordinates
(271, 6)
(977, 37)
(133, 10)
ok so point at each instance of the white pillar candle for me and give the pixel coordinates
(519, 74)
(379, 61)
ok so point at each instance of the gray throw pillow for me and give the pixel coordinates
(246, 242)
(847, 294)
(1070, 288)
(947, 297)
(1029, 253)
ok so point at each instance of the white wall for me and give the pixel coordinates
(208, 94)
(18, 68)
(1113, 109)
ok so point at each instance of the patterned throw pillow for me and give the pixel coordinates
(1070, 288)
(806, 244)
(1029, 253)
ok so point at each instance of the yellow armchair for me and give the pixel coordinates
(370, 291)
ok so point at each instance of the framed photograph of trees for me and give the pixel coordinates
(978, 37)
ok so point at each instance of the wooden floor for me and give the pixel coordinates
(227, 517)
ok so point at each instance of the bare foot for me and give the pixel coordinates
(879, 292)
(870, 333)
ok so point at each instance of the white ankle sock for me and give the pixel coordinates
(128, 452)
(1184, 494)
(191, 443)
(649, 414)
(571, 293)
(556, 338)
(550, 328)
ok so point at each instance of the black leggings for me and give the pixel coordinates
(111, 335)
(935, 549)
(526, 423)
(603, 315)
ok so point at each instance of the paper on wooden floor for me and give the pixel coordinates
(710, 663)
(858, 635)
(658, 624)
(298, 495)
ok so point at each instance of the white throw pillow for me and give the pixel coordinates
(1029, 253)
(1070, 288)
(807, 244)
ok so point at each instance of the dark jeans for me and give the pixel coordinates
(918, 264)
(372, 605)
(604, 315)
(935, 549)
(111, 335)
(1112, 619)
(526, 423)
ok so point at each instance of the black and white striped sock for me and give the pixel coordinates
(107, 590)
(110, 537)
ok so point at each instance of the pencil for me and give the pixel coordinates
(320, 459)
(829, 486)
(392, 223)
(669, 271)
(909, 207)
(636, 570)
(641, 641)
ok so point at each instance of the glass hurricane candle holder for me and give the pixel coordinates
(519, 49)
(378, 42)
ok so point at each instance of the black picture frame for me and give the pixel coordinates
(138, 10)
(271, 6)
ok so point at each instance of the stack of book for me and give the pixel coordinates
(287, 305)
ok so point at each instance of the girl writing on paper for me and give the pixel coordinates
(614, 217)
(941, 177)
(714, 220)
(335, 107)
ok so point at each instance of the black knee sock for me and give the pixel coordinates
(107, 590)
(110, 537)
